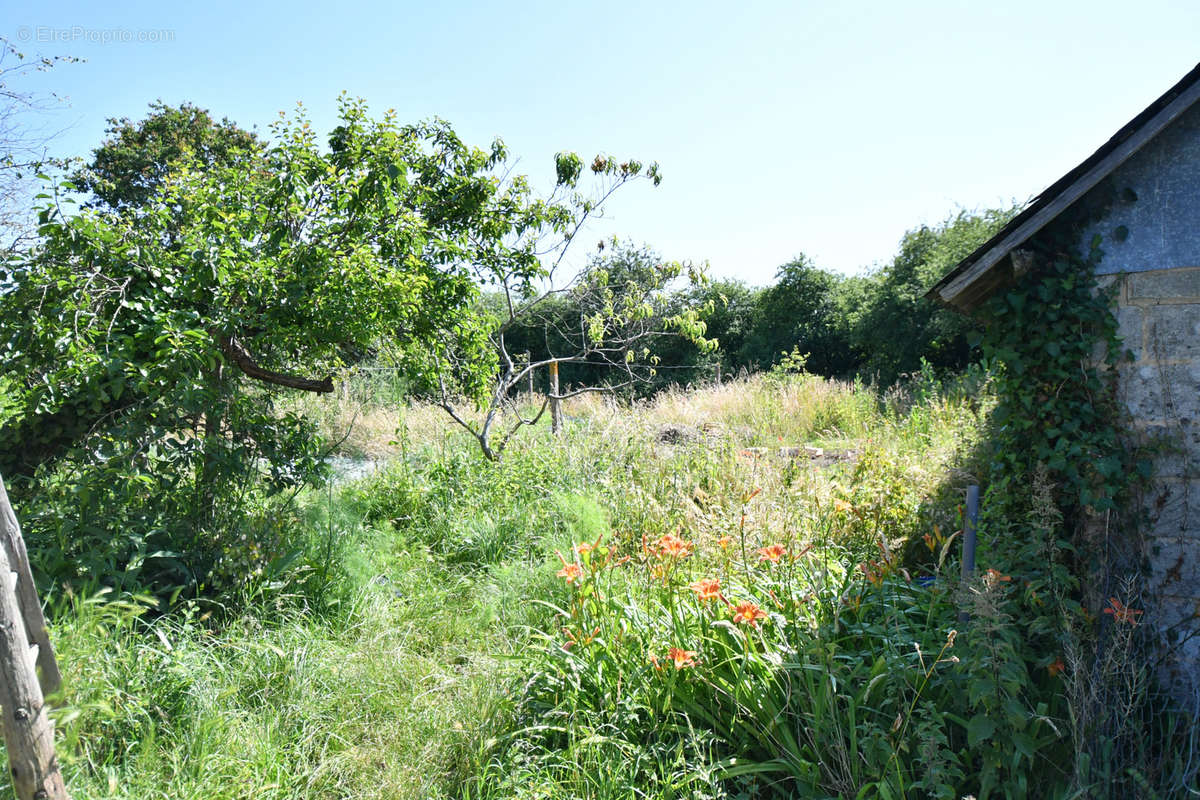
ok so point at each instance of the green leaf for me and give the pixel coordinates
(979, 729)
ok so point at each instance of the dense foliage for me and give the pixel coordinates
(147, 338)
(1075, 538)
(878, 326)
(415, 648)
(749, 590)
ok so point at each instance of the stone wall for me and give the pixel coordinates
(1159, 316)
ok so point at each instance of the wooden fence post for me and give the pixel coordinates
(555, 403)
(529, 375)
(28, 733)
(970, 529)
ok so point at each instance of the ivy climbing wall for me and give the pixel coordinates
(1159, 322)
(1151, 243)
(1150, 237)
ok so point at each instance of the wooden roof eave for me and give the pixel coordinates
(968, 285)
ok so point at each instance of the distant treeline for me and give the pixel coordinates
(878, 326)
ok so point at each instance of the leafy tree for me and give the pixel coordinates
(149, 333)
(129, 168)
(604, 325)
(800, 311)
(730, 307)
(895, 326)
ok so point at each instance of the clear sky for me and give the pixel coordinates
(828, 128)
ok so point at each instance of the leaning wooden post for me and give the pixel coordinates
(529, 375)
(555, 403)
(28, 733)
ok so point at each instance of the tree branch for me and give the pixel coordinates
(245, 362)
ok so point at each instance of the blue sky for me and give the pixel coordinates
(827, 128)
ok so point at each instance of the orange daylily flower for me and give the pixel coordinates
(706, 588)
(991, 577)
(671, 545)
(682, 658)
(1121, 612)
(724, 542)
(570, 571)
(573, 639)
(771, 553)
(583, 548)
(842, 506)
(932, 540)
(748, 613)
(1057, 667)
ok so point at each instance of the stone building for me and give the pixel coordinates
(1147, 177)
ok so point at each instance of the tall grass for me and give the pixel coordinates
(382, 695)
(415, 646)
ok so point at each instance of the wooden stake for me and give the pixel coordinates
(555, 403)
(529, 375)
(28, 734)
(27, 598)
(970, 526)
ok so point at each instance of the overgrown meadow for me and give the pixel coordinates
(745, 590)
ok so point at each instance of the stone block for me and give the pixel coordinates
(1173, 332)
(1176, 612)
(1165, 284)
(1129, 327)
(1161, 392)
(1174, 566)
(1172, 507)
(1176, 447)
(1177, 620)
